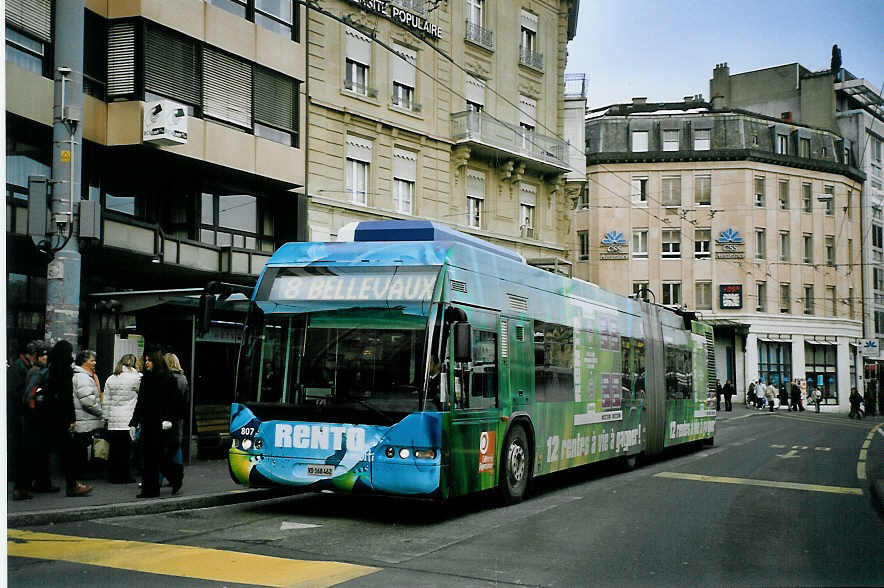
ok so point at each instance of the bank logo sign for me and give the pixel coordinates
(394, 12)
(614, 246)
(730, 245)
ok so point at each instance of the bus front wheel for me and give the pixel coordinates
(515, 466)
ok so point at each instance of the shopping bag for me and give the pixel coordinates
(100, 448)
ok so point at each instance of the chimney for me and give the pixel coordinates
(720, 86)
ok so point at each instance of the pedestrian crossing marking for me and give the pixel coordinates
(183, 560)
(764, 483)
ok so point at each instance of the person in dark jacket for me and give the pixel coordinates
(157, 412)
(57, 425)
(855, 401)
(728, 392)
(17, 419)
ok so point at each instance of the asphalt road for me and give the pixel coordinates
(780, 499)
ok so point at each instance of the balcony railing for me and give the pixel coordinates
(576, 85)
(361, 89)
(406, 104)
(482, 128)
(531, 58)
(479, 35)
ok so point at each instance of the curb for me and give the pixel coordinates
(877, 491)
(153, 506)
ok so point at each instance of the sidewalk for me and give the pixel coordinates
(206, 483)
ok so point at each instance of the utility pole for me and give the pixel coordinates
(63, 273)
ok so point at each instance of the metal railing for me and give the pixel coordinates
(530, 58)
(479, 35)
(361, 89)
(483, 128)
(406, 104)
(576, 85)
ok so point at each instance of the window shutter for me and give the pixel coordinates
(475, 184)
(227, 88)
(405, 165)
(31, 16)
(475, 90)
(528, 194)
(171, 65)
(358, 149)
(274, 99)
(403, 69)
(529, 21)
(121, 59)
(358, 47)
(527, 111)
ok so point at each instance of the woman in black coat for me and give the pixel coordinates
(158, 411)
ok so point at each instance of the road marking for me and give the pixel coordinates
(183, 560)
(789, 454)
(287, 526)
(863, 453)
(822, 449)
(764, 483)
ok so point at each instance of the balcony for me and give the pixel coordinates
(485, 134)
(530, 58)
(479, 36)
(576, 85)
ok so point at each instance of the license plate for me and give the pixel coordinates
(320, 470)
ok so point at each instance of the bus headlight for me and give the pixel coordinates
(404, 453)
(425, 453)
(246, 444)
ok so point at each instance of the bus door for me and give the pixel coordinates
(475, 409)
(655, 391)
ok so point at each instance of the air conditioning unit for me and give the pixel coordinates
(165, 123)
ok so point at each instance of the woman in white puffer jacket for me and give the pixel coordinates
(87, 406)
(120, 397)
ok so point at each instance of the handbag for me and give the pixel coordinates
(100, 448)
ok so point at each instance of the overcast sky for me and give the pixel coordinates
(666, 49)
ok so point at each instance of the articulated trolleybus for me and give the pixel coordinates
(419, 361)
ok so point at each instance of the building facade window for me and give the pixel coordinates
(761, 296)
(527, 210)
(671, 293)
(759, 192)
(851, 308)
(821, 369)
(640, 243)
(357, 63)
(785, 246)
(404, 180)
(640, 190)
(358, 165)
(829, 200)
(785, 299)
(703, 190)
(528, 54)
(641, 290)
(235, 220)
(404, 61)
(808, 299)
(806, 198)
(782, 144)
(583, 243)
(804, 148)
(475, 198)
(702, 140)
(357, 77)
(583, 201)
(29, 35)
(278, 16)
(875, 178)
(639, 141)
(784, 194)
(703, 295)
(774, 362)
(808, 248)
(702, 243)
(671, 243)
(877, 236)
(671, 190)
(403, 196)
(831, 301)
(760, 243)
(670, 140)
(25, 51)
(830, 250)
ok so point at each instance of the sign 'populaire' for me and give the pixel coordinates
(405, 286)
(400, 16)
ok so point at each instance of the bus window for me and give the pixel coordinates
(679, 373)
(627, 380)
(553, 362)
(483, 386)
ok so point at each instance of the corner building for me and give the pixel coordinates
(450, 111)
(749, 220)
(170, 215)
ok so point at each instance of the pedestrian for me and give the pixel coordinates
(770, 392)
(17, 420)
(750, 395)
(87, 406)
(817, 397)
(794, 396)
(177, 372)
(120, 396)
(728, 392)
(784, 393)
(157, 410)
(56, 425)
(855, 400)
(718, 393)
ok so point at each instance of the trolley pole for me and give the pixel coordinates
(63, 272)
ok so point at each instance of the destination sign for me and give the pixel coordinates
(400, 16)
(410, 286)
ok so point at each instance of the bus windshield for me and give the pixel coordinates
(367, 364)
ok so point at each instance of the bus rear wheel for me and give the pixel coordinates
(515, 467)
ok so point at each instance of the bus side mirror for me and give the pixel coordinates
(463, 342)
(204, 318)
